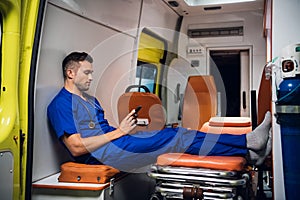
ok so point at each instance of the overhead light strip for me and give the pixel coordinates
(213, 2)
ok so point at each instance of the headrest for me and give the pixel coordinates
(152, 109)
(205, 83)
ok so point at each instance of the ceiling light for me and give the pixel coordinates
(213, 2)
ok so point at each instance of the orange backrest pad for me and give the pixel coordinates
(199, 101)
(264, 98)
(152, 109)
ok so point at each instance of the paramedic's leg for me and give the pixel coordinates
(135, 151)
(142, 149)
(258, 142)
(218, 145)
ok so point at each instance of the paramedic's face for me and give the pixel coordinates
(83, 76)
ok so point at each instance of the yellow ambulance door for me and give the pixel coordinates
(9, 114)
(18, 21)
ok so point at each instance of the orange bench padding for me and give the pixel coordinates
(220, 129)
(228, 163)
(230, 121)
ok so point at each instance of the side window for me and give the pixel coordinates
(146, 74)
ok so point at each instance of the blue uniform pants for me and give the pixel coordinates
(141, 149)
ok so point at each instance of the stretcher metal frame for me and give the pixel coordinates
(192, 183)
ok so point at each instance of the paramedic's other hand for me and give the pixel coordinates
(128, 123)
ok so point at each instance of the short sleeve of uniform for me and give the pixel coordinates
(61, 117)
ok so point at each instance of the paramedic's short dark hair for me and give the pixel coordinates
(73, 59)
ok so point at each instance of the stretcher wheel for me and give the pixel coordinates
(191, 193)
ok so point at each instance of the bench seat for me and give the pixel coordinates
(51, 182)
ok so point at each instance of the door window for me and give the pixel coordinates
(146, 75)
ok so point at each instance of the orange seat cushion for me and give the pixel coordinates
(228, 163)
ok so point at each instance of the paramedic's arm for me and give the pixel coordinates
(79, 146)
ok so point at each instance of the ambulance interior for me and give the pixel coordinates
(230, 42)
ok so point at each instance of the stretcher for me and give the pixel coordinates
(183, 176)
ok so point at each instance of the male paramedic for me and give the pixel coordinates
(79, 123)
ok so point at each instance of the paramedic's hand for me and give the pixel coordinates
(128, 123)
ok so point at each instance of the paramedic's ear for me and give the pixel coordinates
(70, 73)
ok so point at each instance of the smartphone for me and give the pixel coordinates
(137, 109)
